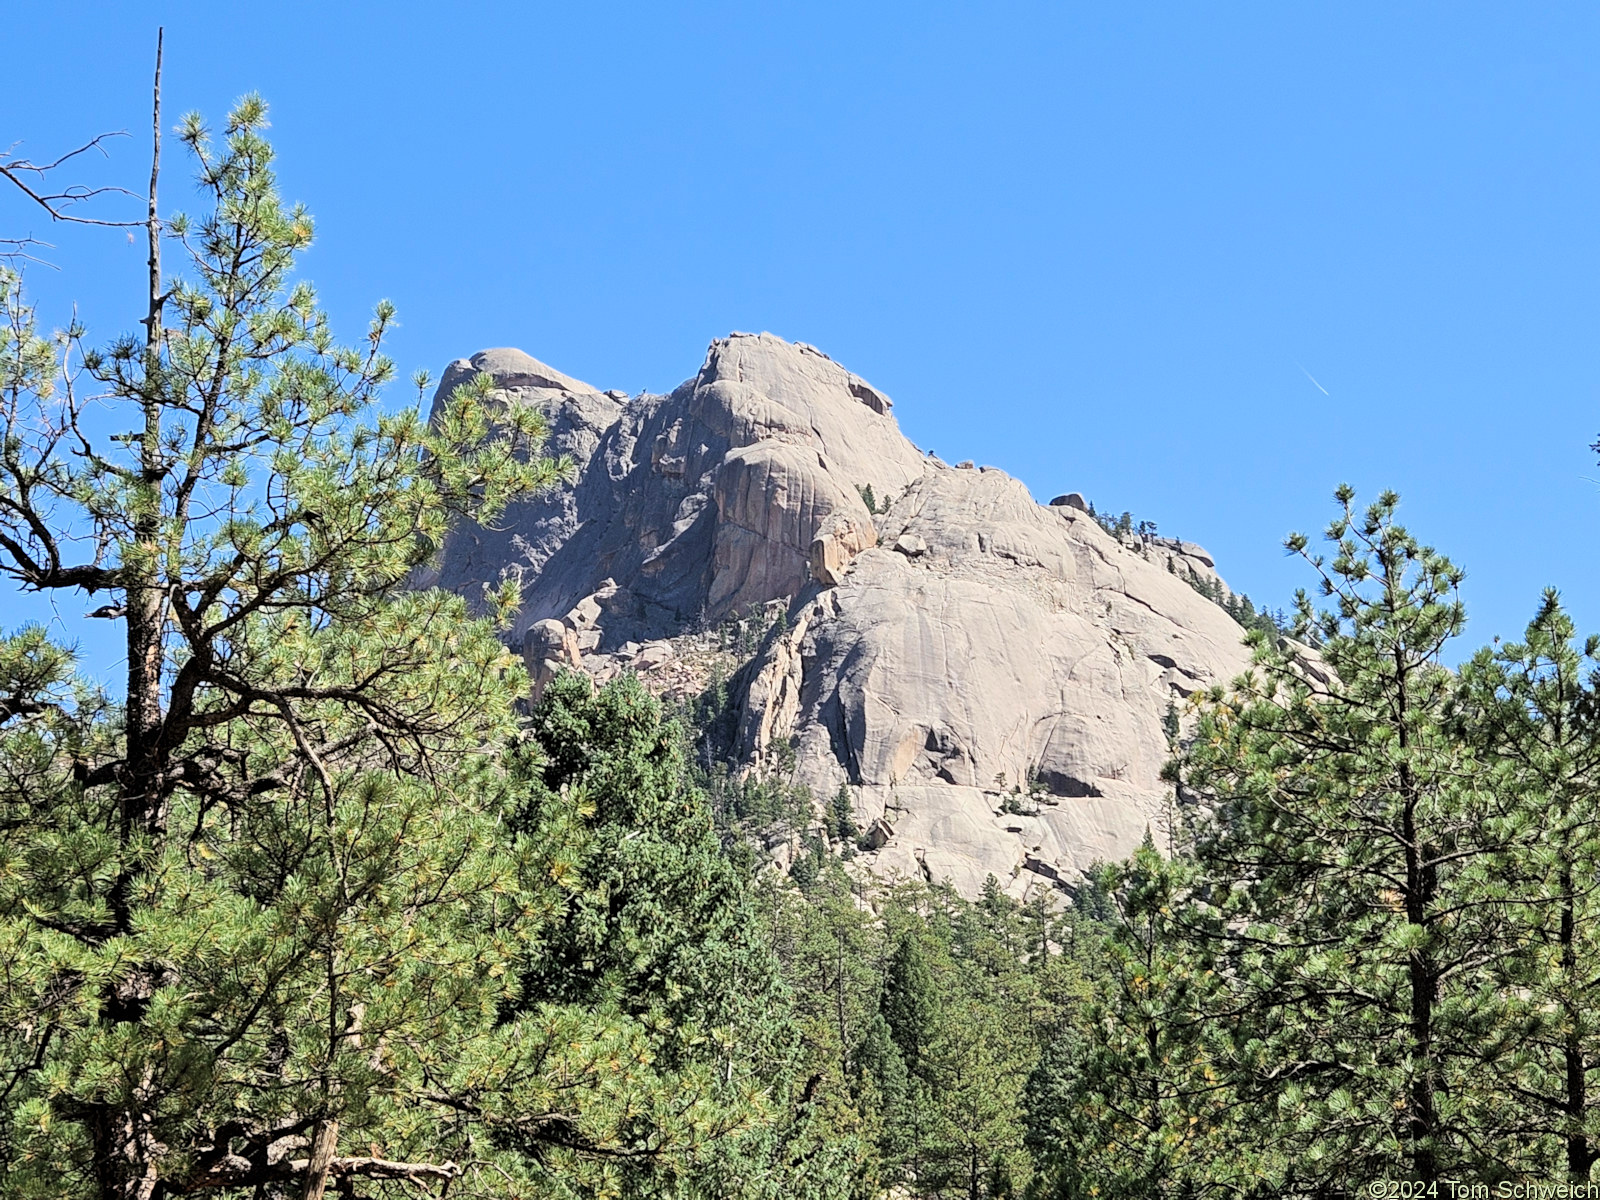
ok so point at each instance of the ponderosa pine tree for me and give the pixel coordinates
(830, 946)
(250, 901)
(882, 1071)
(1351, 863)
(972, 1006)
(826, 947)
(986, 1041)
(1532, 708)
(910, 1003)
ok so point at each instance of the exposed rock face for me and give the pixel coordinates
(1025, 647)
(987, 674)
(738, 488)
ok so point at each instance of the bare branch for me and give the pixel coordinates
(55, 203)
(16, 250)
(93, 143)
(237, 1171)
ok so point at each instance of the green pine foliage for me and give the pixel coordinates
(922, 1016)
(1358, 811)
(1240, 607)
(841, 817)
(250, 900)
(875, 506)
(1126, 1101)
(301, 907)
(1531, 708)
(1120, 526)
(650, 1034)
(1237, 605)
(1371, 957)
(1171, 725)
(908, 1004)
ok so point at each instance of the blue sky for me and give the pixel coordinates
(1105, 247)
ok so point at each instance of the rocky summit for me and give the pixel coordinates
(991, 678)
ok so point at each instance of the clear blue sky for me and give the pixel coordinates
(1100, 246)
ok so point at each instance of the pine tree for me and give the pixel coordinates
(1533, 708)
(247, 901)
(1351, 869)
(879, 1060)
(979, 1061)
(827, 947)
(654, 1047)
(910, 1004)
(841, 820)
(991, 1011)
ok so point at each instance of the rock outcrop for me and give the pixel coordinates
(987, 675)
(738, 488)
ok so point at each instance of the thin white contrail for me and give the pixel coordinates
(1314, 382)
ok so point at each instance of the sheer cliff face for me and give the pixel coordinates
(965, 636)
(698, 504)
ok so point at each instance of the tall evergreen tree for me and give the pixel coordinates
(910, 1003)
(245, 901)
(1533, 708)
(652, 1048)
(1352, 861)
(879, 1060)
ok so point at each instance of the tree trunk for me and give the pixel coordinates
(1579, 1155)
(326, 1140)
(144, 597)
(126, 1153)
(1421, 970)
(322, 1148)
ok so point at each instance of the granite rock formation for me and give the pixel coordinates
(989, 676)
